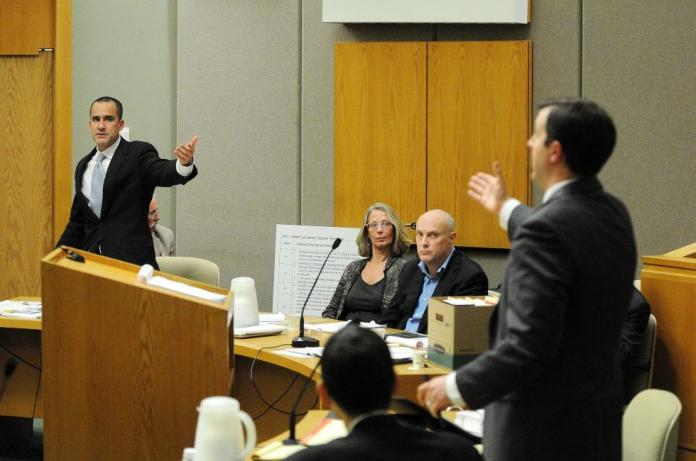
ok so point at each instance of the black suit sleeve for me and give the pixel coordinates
(74, 232)
(633, 327)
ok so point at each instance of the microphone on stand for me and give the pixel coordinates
(307, 341)
(292, 439)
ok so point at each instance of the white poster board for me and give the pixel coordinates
(299, 254)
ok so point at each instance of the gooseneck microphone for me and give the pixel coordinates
(292, 439)
(307, 341)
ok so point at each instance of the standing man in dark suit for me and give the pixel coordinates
(357, 381)
(551, 381)
(440, 270)
(114, 185)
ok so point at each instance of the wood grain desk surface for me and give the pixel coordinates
(21, 324)
(264, 348)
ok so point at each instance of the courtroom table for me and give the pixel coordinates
(21, 400)
(281, 377)
(274, 374)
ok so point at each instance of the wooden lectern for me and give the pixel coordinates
(125, 364)
(669, 284)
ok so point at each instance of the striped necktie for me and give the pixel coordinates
(97, 185)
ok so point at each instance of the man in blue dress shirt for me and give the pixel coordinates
(440, 270)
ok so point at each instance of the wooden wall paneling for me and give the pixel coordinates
(479, 97)
(26, 26)
(26, 164)
(62, 118)
(379, 129)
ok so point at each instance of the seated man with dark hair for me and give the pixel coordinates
(358, 381)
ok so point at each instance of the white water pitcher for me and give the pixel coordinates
(219, 435)
(246, 306)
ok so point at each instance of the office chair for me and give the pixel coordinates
(197, 269)
(651, 426)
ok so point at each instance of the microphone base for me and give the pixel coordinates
(305, 341)
(290, 441)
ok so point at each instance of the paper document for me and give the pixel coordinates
(401, 354)
(421, 342)
(145, 275)
(332, 327)
(299, 254)
(467, 301)
(302, 352)
(271, 317)
(20, 309)
(258, 330)
(275, 451)
(471, 421)
(335, 327)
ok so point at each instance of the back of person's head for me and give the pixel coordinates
(357, 370)
(585, 131)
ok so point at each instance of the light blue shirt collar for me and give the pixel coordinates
(440, 270)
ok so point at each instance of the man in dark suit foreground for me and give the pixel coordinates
(358, 381)
(551, 381)
(114, 185)
(440, 270)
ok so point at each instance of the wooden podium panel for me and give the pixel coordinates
(125, 364)
(669, 284)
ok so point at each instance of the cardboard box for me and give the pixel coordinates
(458, 333)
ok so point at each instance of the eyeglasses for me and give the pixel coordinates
(379, 225)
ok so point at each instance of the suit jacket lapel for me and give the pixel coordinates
(79, 176)
(447, 276)
(111, 175)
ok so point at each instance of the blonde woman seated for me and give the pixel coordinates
(369, 285)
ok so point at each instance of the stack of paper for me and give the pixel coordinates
(415, 342)
(262, 329)
(20, 309)
(334, 327)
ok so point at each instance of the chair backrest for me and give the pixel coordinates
(642, 362)
(200, 270)
(651, 426)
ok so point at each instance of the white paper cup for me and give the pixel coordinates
(418, 359)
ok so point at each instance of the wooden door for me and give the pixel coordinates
(26, 166)
(35, 124)
(479, 97)
(379, 129)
